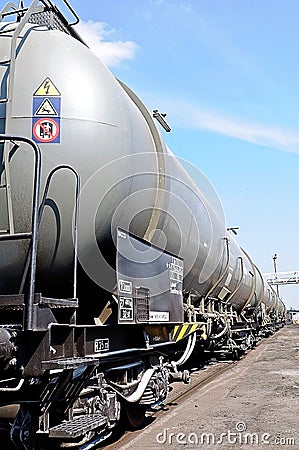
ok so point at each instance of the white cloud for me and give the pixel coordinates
(251, 132)
(190, 116)
(187, 7)
(110, 52)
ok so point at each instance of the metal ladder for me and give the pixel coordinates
(42, 12)
(6, 184)
(31, 300)
(10, 234)
(38, 12)
(11, 9)
(32, 235)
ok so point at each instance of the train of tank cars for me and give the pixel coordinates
(115, 264)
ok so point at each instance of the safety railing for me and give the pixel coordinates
(277, 278)
(29, 271)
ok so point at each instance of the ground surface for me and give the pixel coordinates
(253, 404)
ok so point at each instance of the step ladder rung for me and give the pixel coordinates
(7, 186)
(12, 12)
(6, 30)
(14, 236)
(77, 426)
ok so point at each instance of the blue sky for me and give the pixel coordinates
(226, 72)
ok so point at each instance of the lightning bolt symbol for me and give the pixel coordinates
(47, 86)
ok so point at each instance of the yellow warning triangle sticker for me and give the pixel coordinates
(46, 109)
(47, 88)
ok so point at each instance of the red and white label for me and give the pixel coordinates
(46, 130)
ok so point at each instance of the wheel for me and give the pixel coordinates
(186, 377)
(134, 415)
(236, 354)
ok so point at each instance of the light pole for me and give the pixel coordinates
(274, 257)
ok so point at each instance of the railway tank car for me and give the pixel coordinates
(112, 258)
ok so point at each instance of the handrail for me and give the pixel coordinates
(73, 12)
(37, 211)
(38, 6)
(9, 92)
(29, 301)
(11, 9)
(253, 285)
(75, 230)
(76, 214)
(10, 5)
(263, 286)
(221, 278)
(275, 278)
(233, 293)
(13, 53)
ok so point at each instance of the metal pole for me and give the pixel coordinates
(274, 257)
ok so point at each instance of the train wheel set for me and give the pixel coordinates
(116, 267)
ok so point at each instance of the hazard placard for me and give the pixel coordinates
(46, 106)
(46, 130)
(47, 88)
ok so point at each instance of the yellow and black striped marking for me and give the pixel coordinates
(266, 321)
(185, 329)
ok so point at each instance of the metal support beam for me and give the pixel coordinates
(282, 278)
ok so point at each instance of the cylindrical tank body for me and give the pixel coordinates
(130, 178)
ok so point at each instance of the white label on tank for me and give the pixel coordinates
(125, 308)
(101, 345)
(125, 286)
(223, 293)
(121, 234)
(227, 281)
(159, 316)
